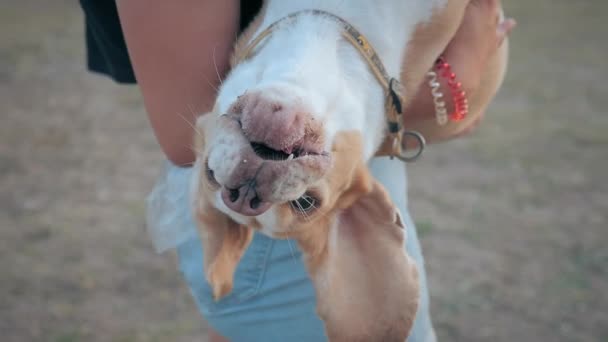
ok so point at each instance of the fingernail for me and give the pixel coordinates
(510, 24)
(506, 26)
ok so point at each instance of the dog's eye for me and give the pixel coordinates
(305, 204)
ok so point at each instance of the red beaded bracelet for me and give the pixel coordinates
(459, 96)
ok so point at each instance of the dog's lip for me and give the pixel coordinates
(209, 173)
(276, 196)
(297, 151)
(279, 178)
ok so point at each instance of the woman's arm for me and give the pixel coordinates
(475, 54)
(171, 44)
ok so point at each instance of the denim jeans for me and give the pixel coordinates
(273, 298)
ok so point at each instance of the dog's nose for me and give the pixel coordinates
(279, 121)
(245, 200)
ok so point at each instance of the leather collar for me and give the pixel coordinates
(394, 142)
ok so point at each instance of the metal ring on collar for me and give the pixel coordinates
(421, 145)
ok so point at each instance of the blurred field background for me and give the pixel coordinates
(514, 219)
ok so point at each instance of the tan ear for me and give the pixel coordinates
(224, 241)
(367, 288)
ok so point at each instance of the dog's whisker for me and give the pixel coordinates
(211, 84)
(302, 211)
(184, 164)
(296, 206)
(321, 214)
(309, 202)
(190, 108)
(194, 114)
(299, 208)
(190, 123)
(293, 254)
(217, 72)
(196, 151)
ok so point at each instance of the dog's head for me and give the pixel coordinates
(279, 192)
(276, 131)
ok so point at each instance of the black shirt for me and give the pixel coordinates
(106, 49)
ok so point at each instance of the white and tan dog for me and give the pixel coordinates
(285, 151)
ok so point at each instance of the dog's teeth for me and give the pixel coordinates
(290, 157)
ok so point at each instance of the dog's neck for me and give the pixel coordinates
(308, 60)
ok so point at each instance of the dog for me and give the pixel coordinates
(314, 93)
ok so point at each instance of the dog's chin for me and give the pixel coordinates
(248, 180)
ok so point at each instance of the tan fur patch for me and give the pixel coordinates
(427, 42)
(220, 271)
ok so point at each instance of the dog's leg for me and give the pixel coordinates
(366, 285)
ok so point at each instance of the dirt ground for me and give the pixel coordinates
(514, 219)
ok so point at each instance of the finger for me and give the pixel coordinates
(507, 26)
(504, 29)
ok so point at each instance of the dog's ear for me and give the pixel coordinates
(224, 241)
(367, 288)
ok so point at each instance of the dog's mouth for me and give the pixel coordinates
(265, 176)
(253, 171)
(267, 153)
(303, 205)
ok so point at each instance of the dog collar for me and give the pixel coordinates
(394, 144)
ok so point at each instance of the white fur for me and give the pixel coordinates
(309, 59)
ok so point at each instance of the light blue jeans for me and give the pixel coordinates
(273, 299)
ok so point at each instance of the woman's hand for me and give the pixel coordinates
(474, 44)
